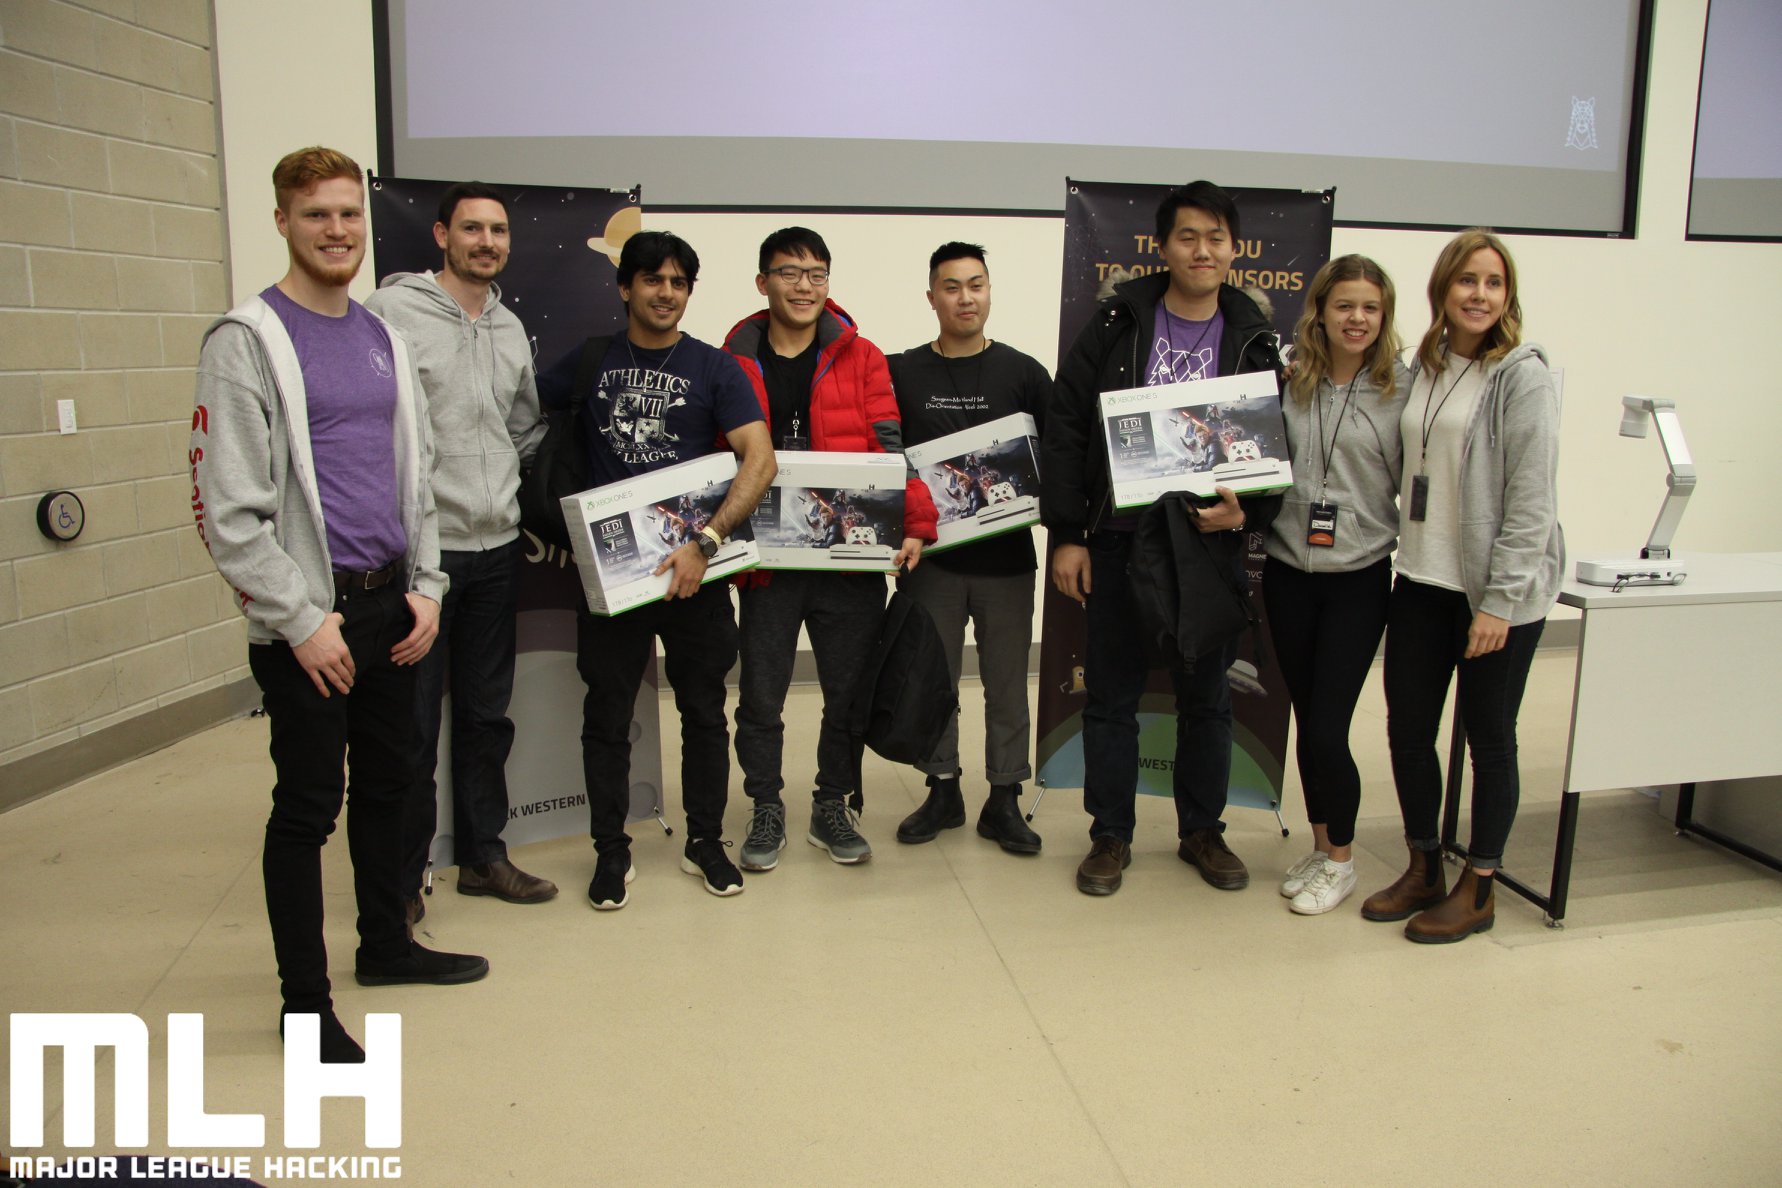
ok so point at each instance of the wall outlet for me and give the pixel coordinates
(65, 416)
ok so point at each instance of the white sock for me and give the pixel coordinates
(1345, 867)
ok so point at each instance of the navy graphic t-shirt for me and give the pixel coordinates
(650, 408)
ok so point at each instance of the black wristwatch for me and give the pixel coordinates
(708, 543)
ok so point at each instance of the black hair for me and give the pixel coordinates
(646, 250)
(1201, 195)
(793, 241)
(956, 250)
(460, 191)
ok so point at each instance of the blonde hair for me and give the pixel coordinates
(306, 167)
(1311, 347)
(1503, 337)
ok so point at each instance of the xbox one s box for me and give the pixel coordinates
(1195, 436)
(829, 510)
(622, 531)
(985, 479)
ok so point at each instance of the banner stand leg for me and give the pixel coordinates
(1038, 797)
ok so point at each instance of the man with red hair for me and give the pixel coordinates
(310, 464)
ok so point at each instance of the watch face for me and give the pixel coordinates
(708, 547)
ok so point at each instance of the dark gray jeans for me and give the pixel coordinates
(840, 612)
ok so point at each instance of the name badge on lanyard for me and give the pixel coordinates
(1322, 524)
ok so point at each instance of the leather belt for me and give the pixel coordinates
(346, 583)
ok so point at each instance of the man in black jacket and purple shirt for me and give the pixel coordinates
(1184, 323)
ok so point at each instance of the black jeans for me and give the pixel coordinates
(354, 747)
(699, 646)
(1425, 640)
(1115, 669)
(1326, 628)
(475, 654)
(841, 613)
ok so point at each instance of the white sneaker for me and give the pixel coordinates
(1329, 885)
(1300, 871)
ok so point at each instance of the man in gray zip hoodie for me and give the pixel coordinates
(310, 453)
(476, 368)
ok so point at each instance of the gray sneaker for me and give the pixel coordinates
(767, 837)
(832, 828)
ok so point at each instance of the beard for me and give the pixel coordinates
(337, 276)
(465, 266)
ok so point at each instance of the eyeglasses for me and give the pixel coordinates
(791, 272)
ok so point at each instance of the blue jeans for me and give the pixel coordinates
(1114, 673)
(476, 648)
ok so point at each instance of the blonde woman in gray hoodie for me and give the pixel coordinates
(1479, 561)
(1329, 568)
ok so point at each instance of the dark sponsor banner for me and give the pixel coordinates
(560, 281)
(1110, 236)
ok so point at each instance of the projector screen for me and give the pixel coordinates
(1523, 115)
(1735, 188)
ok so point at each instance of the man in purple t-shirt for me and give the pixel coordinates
(1182, 323)
(310, 463)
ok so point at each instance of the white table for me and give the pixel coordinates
(1675, 685)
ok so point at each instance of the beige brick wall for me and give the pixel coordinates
(111, 264)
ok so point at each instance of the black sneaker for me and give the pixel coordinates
(421, 967)
(613, 873)
(705, 856)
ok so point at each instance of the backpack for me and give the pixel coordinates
(560, 467)
(1189, 601)
(904, 697)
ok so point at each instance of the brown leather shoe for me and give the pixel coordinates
(1456, 917)
(1100, 872)
(1421, 886)
(1206, 849)
(504, 880)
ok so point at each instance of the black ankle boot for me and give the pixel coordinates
(944, 809)
(1001, 821)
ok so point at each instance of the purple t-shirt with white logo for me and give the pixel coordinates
(349, 379)
(1182, 350)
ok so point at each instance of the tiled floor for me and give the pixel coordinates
(948, 1014)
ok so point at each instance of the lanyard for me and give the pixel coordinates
(1169, 336)
(1429, 418)
(1318, 411)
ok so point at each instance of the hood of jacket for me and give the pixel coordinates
(482, 403)
(1244, 315)
(835, 330)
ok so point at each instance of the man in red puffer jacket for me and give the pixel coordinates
(823, 387)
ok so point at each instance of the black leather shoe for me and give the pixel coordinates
(944, 809)
(421, 967)
(337, 1046)
(504, 880)
(1001, 822)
